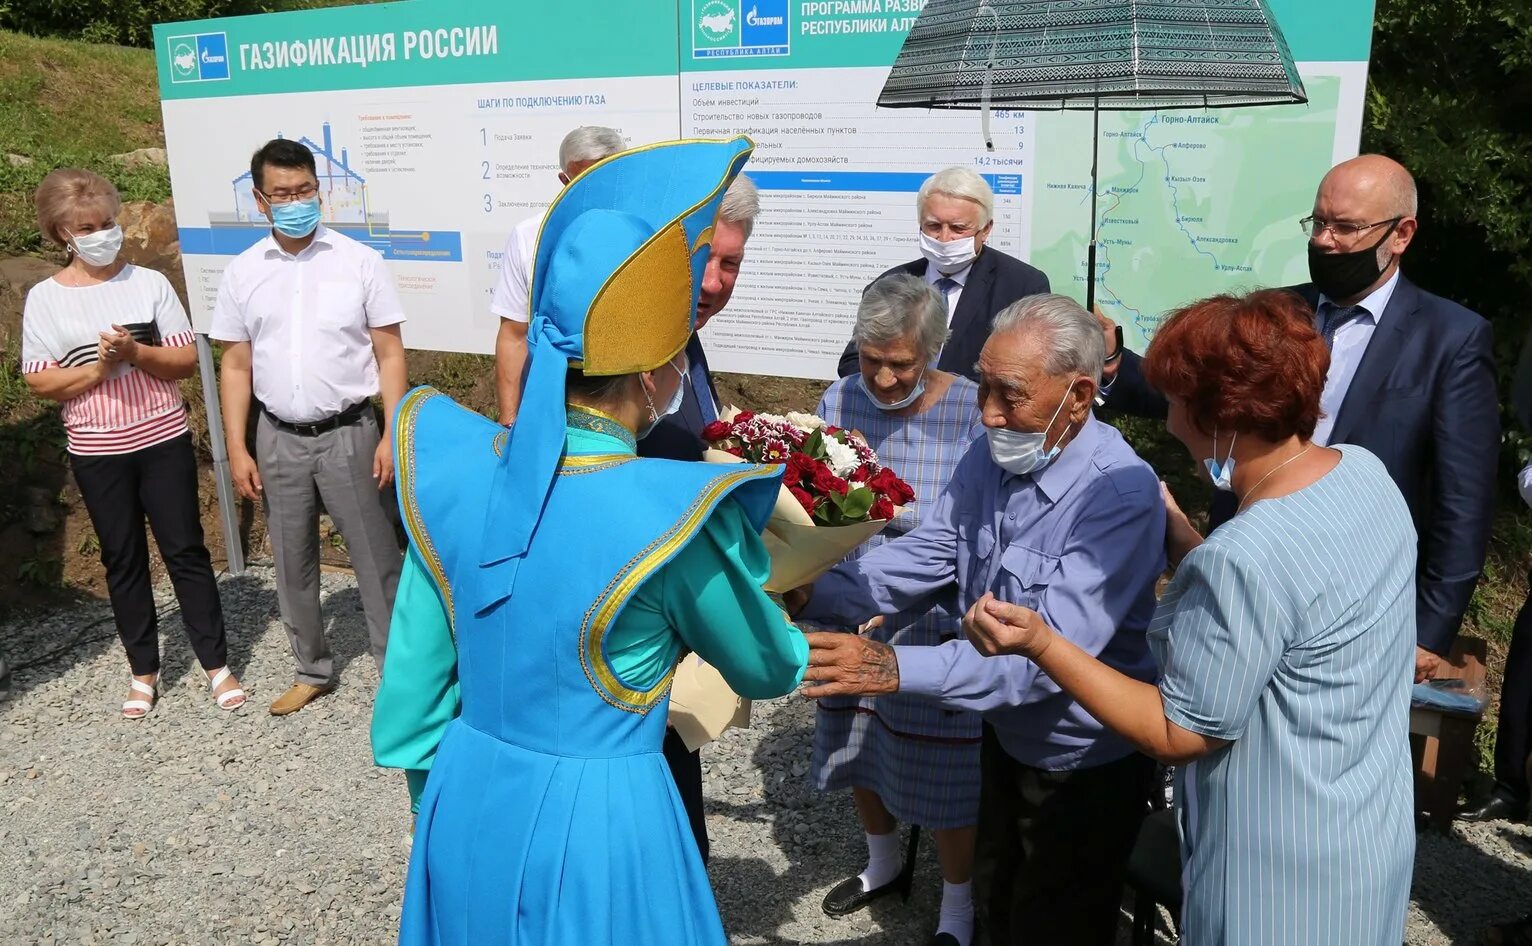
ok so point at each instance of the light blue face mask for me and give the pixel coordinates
(1222, 474)
(297, 219)
(899, 405)
(675, 404)
(1021, 452)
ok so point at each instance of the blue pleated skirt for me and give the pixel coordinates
(523, 848)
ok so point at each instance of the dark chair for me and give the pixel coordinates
(1154, 874)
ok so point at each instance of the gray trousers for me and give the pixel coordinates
(336, 466)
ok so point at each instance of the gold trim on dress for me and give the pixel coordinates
(404, 463)
(576, 464)
(581, 417)
(609, 603)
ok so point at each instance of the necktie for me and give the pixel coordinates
(945, 285)
(696, 376)
(1334, 317)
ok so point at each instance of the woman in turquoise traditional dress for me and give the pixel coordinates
(553, 579)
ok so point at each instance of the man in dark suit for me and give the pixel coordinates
(679, 436)
(1411, 379)
(956, 210)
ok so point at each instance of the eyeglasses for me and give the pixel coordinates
(307, 192)
(1314, 226)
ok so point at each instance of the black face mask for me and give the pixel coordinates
(1343, 275)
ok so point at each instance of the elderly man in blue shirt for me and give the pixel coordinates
(1053, 511)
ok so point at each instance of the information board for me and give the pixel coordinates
(436, 127)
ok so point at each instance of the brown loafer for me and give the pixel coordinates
(297, 697)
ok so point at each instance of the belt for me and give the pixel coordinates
(346, 417)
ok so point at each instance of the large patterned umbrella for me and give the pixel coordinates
(1093, 54)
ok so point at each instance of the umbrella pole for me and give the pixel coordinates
(1090, 252)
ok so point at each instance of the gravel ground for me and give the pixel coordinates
(197, 826)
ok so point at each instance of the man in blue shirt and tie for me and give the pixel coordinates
(1054, 510)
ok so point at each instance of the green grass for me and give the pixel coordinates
(72, 104)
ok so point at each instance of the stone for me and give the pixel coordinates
(143, 157)
(19, 160)
(149, 235)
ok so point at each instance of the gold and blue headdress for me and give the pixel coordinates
(614, 291)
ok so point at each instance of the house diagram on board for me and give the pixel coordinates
(345, 205)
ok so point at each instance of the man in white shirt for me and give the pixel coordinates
(579, 150)
(309, 319)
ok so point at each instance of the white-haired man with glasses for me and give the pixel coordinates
(1411, 379)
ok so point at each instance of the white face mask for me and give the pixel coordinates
(948, 257)
(1023, 452)
(670, 408)
(1222, 474)
(899, 405)
(99, 248)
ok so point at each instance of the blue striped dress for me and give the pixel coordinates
(921, 759)
(1290, 633)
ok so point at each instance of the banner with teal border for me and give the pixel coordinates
(414, 43)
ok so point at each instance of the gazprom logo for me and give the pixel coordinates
(726, 28)
(198, 57)
(754, 18)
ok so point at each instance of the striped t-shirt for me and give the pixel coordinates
(61, 328)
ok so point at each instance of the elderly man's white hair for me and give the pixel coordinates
(1070, 335)
(741, 204)
(961, 183)
(898, 305)
(589, 143)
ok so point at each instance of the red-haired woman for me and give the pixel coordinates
(1286, 645)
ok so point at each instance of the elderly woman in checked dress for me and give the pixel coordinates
(905, 759)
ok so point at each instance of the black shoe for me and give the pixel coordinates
(1496, 808)
(943, 939)
(848, 896)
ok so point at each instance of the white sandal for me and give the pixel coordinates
(230, 700)
(138, 709)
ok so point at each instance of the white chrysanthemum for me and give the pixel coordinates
(843, 459)
(805, 422)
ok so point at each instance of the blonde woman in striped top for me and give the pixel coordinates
(109, 341)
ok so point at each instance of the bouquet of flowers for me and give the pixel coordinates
(835, 494)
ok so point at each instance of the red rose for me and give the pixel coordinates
(800, 467)
(743, 416)
(734, 450)
(904, 494)
(883, 481)
(831, 430)
(803, 497)
(717, 430)
(882, 509)
(827, 482)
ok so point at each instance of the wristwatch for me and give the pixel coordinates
(1116, 353)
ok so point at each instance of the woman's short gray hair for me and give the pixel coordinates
(741, 204)
(961, 183)
(589, 143)
(1072, 335)
(900, 306)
